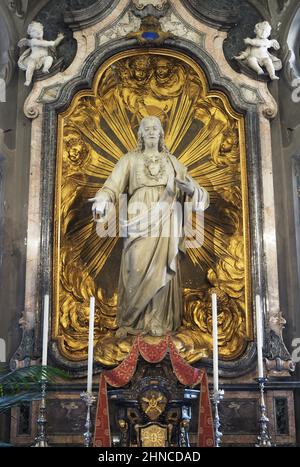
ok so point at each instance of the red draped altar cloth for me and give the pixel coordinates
(123, 373)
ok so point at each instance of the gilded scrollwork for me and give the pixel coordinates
(207, 136)
(194, 339)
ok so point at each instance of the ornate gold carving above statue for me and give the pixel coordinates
(40, 52)
(257, 56)
(206, 137)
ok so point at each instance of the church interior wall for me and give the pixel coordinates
(15, 166)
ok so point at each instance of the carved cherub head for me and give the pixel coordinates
(123, 73)
(35, 30)
(163, 68)
(225, 149)
(229, 142)
(76, 149)
(263, 30)
(141, 67)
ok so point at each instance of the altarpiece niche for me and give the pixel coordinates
(207, 136)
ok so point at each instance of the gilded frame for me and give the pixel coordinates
(244, 181)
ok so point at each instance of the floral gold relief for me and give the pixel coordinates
(154, 436)
(204, 132)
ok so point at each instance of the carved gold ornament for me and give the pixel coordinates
(208, 137)
(153, 403)
(154, 436)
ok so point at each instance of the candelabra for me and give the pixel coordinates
(264, 440)
(41, 440)
(89, 399)
(217, 397)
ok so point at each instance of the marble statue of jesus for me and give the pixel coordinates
(149, 290)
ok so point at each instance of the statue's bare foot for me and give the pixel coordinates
(121, 332)
(274, 77)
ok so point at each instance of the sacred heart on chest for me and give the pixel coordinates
(154, 165)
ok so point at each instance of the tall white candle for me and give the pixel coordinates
(259, 337)
(215, 341)
(91, 345)
(45, 330)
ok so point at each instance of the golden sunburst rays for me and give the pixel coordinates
(214, 178)
(195, 128)
(215, 181)
(102, 140)
(200, 146)
(211, 112)
(96, 251)
(82, 240)
(99, 167)
(117, 119)
(100, 243)
(92, 253)
(87, 246)
(214, 242)
(113, 115)
(180, 119)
